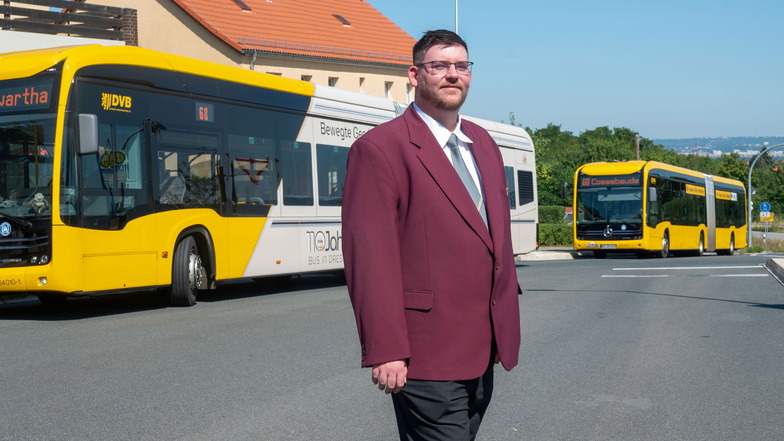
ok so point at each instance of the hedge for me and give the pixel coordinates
(553, 229)
(555, 235)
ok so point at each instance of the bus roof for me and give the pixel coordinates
(628, 167)
(505, 134)
(21, 64)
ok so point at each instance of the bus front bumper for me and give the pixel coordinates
(614, 246)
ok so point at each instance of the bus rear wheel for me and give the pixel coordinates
(731, 250)
(665, 249)
(187, 273)
(701, 250)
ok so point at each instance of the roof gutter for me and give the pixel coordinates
(315, 58)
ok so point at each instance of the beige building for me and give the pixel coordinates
(342, 43)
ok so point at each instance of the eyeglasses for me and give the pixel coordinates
(439, 67)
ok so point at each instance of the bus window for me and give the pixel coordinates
(331, 164)
(296, 171)
(188, 179)
(112, 190)
(254, 175)
(510, 187)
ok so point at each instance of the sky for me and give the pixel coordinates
(662, 68)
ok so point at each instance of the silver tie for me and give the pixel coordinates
(465, 176)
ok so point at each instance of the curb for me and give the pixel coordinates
(551, 254)
(776, 269)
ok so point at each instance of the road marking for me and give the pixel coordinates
(642, 276)
(688, 268)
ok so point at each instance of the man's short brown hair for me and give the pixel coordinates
(440, 37)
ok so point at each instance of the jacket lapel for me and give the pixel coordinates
(495, 200)
(432, 157)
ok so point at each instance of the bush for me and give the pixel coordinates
(551, 214)
(555, 234)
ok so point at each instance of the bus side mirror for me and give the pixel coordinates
(88, 134)
(652, 194)
(566, 190)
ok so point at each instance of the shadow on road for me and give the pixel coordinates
(78, 308)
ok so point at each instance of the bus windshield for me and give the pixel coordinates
(26, 164)
(609, 205)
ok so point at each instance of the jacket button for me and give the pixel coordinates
(493, 302)
(497, 266)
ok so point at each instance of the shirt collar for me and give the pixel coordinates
(440, 132)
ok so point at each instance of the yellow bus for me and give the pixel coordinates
(654, 208)
(124, 169)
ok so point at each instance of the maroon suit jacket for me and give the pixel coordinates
(427, 280)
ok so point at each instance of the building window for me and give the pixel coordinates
(362, 84)
(409, 93)
(307, 78)
(388, 89)
(333, 82)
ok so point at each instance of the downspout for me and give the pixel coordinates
(253, 61)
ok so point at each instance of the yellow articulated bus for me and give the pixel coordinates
(653, 208)
(124, 169)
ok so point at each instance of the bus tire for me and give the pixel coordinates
(701, 250)
(187, 272)
(731, 250)
(665, 249)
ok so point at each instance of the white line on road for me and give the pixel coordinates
(688, 268)
(630, 276)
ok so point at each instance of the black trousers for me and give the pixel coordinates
(442, 410)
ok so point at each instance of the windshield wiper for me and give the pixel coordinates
(22, 222)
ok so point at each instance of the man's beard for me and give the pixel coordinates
(444, 104)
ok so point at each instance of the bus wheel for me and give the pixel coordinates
(187, 272)
(600, 254)
(665, 249)
(701, 249)
(731, 250)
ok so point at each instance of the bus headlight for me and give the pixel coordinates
(39, 260)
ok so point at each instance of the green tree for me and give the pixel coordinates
(556, 162)
(733, 167)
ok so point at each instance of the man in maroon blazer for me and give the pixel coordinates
(433, 285)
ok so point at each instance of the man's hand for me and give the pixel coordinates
(390, 376)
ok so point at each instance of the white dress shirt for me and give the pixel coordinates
(464, 143)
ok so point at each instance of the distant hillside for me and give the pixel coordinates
(743, 144)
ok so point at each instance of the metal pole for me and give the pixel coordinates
(748, 190)
(637, 145)
(456, 31)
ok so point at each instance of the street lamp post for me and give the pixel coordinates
(748, 189)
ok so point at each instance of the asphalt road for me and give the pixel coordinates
(615, 349)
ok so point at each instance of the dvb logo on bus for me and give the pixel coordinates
(111, 101)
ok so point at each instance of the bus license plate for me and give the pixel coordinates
(607, 247)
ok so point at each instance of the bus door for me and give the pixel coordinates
(710, 201)
(118, 247)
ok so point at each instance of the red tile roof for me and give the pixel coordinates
(312, 28)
